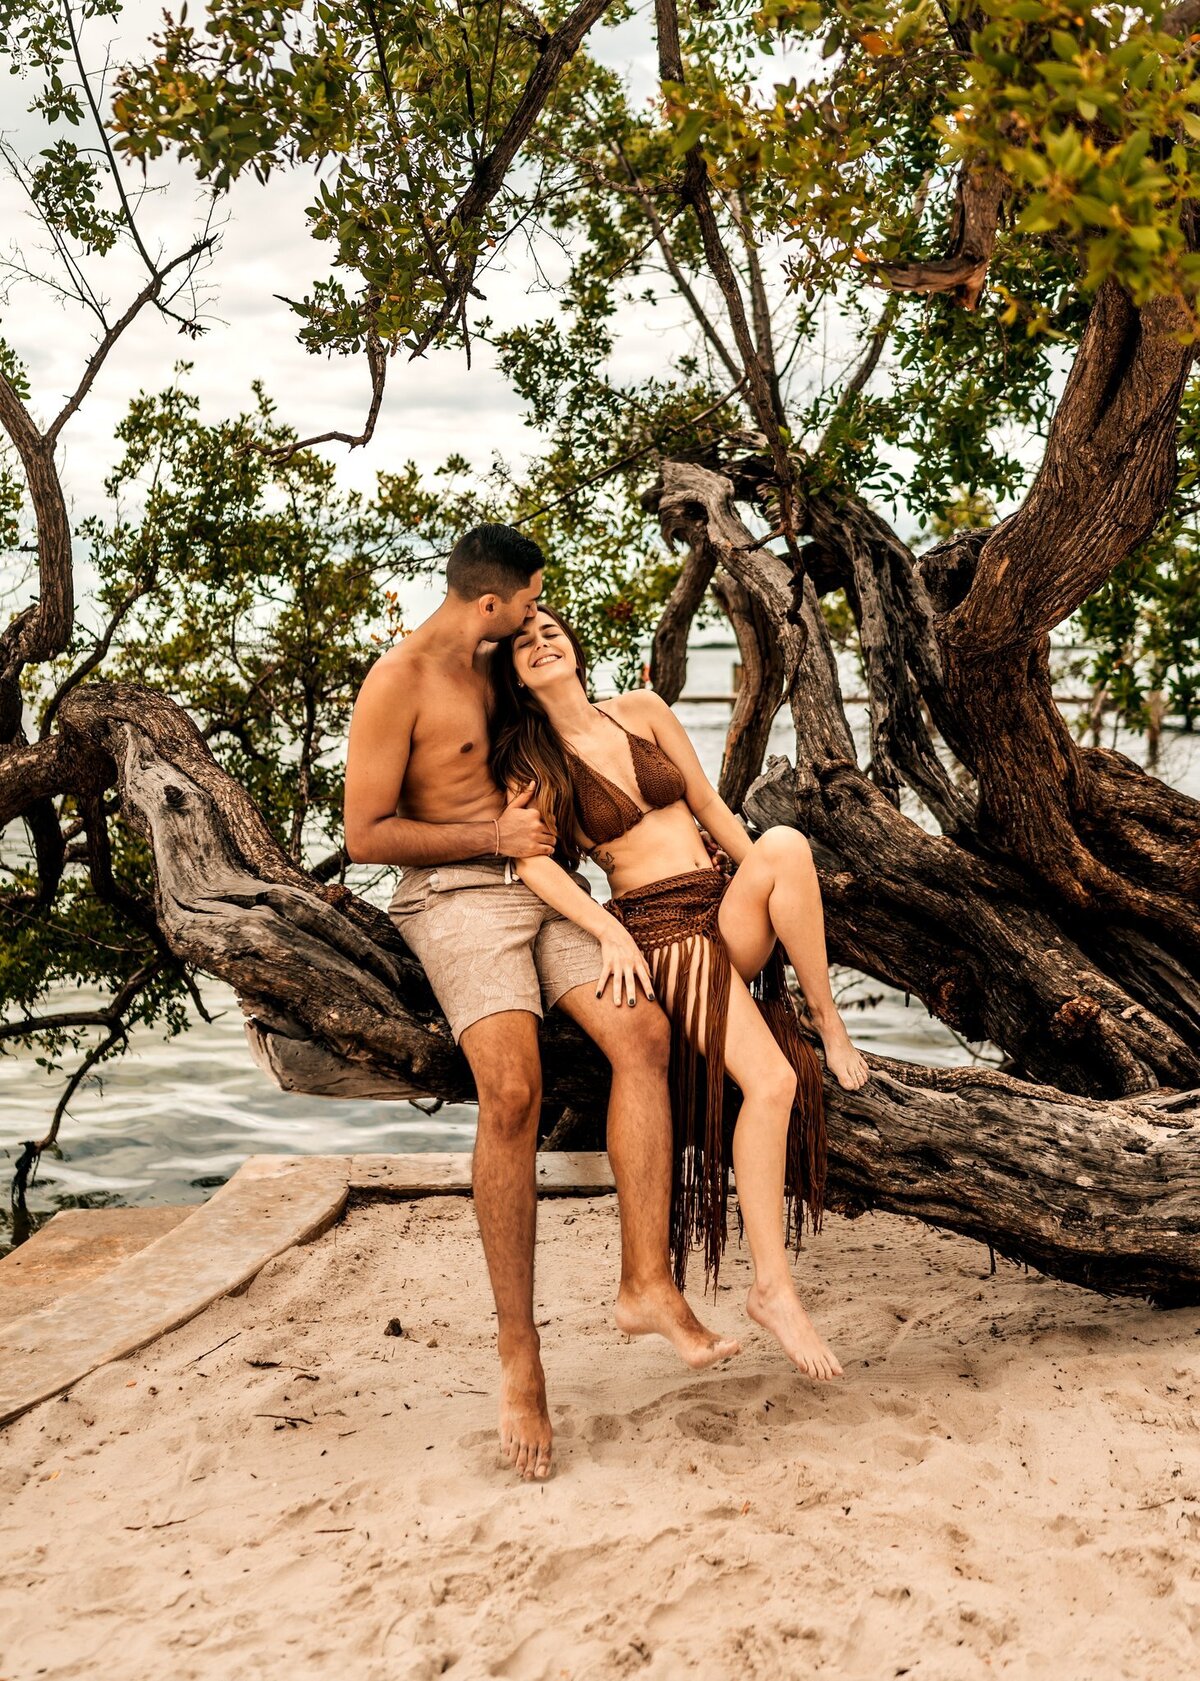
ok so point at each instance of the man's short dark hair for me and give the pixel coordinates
(492, 560)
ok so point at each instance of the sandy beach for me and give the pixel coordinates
(1007, 1481)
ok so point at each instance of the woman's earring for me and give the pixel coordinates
(520, 685)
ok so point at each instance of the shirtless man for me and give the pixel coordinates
(419, 794)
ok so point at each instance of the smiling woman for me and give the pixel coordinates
(706, 943)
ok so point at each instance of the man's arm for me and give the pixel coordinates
(376, 761)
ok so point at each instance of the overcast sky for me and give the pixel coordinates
(433, 407)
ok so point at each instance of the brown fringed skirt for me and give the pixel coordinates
(674, 922)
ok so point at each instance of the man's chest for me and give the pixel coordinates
(451, 725)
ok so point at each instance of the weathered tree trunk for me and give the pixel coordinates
(764, 669)
(1104, 1194)
(988, 950)
(1108, 843)
(760, 692)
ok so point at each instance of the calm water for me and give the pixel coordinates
(171, 1120)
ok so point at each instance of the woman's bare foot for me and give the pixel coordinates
(525, 1433)
(777, 1309)
(848, 1066)
(660, 1310)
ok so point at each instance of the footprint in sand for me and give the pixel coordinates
(707, 1424)
(708, 1391)
(894, 1452)
(603, 1427)
(566, 1424)
(1069, 1529)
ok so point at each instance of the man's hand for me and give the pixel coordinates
(719, 856)
(522, 831)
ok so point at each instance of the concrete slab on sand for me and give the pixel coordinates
(116, 1304)
(76, 1246)
(271, 1203)
(561, 1173)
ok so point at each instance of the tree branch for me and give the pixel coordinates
(65, 1020)
(43, 629)
(377, 364)
(28, 1026)
(868, 362)
(682, 284)
(99, 651)
(150, 293)
(633, 455)
(759, 694)
(42, 770)
(80, 290)
(759, 302)
(491, 170)
(695, 191)
(900, 652)
(979, 196)
(1108, 472)
(118, 1027)
(102, 132)
(668, 654)
(878, 336)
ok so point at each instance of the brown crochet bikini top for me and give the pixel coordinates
(607, 812)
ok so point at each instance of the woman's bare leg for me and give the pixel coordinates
(776, 895)
(768, 1085)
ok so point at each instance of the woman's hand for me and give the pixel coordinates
(622, 962)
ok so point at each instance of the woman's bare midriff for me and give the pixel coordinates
(665, 843)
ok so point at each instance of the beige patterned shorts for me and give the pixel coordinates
(488, 943)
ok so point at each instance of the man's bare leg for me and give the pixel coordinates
(503, 1053)
(636, 1043)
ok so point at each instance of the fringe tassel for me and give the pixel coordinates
(675, 924)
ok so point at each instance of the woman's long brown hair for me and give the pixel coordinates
(527, 748)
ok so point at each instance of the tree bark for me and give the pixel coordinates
(1106, 1195)
(759, 695)
(668, 653)
(896, 625)
(969, 934)
(962, 272)
(44, 629)
(1107, 477)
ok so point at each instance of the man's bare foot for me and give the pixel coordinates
(660, 1310)
(778, 1310)
(525, 1433)
(848, 1066)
